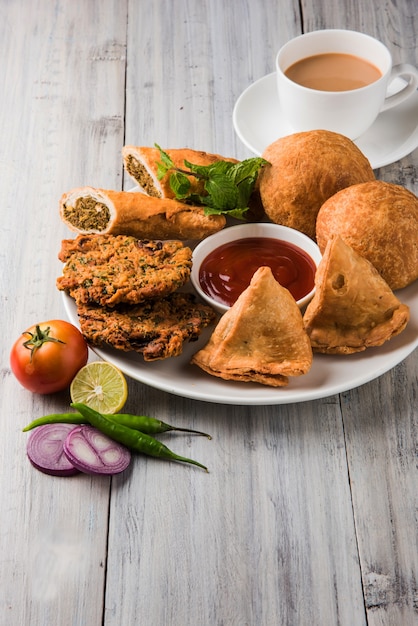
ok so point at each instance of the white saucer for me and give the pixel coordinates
(258, 122)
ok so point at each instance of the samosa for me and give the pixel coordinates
(261, 338)
(353, 307)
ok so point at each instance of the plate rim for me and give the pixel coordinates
(264, 395)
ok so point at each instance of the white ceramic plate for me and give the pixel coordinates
(258, 122)
(329, 374)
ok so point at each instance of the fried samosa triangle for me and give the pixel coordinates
(353, 307)
(260, 339)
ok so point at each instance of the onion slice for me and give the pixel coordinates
(92, 452)
(45, 449)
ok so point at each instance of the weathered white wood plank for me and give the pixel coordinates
(381, 423)
(188, 65)
(266, 537)
(61, 117)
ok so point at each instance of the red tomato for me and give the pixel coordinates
(47, 356)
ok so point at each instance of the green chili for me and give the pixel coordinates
(133, 439)
(57, 418)
(147, 425)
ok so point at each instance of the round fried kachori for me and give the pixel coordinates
(306, 169)
(380, 221)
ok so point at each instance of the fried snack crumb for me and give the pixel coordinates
(138, 171)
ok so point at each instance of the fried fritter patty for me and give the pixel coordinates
(156, 328)
(108, 270)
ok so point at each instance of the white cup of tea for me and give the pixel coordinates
(338, 80)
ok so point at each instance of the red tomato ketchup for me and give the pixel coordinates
(227, 271)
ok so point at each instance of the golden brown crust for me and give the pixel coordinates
(156, 328)
(260, 339)
(380, 221)
(108, 270)
(353, 307)
(141, 164)
(306, 169)
(87, 210)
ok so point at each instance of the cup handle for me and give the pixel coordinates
(410, 74)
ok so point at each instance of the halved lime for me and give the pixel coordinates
(101, 386)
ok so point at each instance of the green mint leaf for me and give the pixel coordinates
(165, 165)
(206, 172)
(222, 192)
(161, 171)
(245, 175)
(180, 185)
(200, 171)
(239, 214)
(246, 170)
(227, 185)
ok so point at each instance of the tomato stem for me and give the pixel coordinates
(38, 338)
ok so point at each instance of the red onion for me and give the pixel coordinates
(45, 449)
(94, 453)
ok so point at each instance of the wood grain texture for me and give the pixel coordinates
(237, 558)
(61, 111)
(308, 513)
(187, 67)
(381, 432)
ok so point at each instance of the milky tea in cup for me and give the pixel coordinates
(333, 71)
(338, 80)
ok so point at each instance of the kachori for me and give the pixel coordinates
(380, 221)
(353, 307)
(306, 169)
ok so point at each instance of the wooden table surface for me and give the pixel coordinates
(308, 515)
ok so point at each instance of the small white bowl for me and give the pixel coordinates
(243, 231)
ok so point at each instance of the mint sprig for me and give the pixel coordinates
(227, 186)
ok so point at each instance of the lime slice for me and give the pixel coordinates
(101, 386)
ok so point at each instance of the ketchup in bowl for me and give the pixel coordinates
(227, 271)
